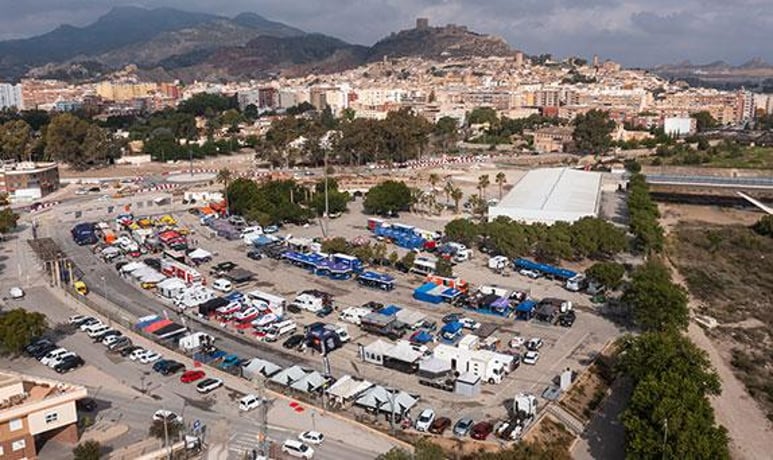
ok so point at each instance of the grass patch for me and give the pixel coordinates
(730, 271)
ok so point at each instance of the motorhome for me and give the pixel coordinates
(265, 301)
(354, 315)
(424, 266)
(481, 363)
(309, 302)
(193, 297)
(279, 329)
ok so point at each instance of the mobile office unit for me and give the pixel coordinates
(173, 268)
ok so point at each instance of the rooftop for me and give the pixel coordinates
(551, 194)
(18, 391)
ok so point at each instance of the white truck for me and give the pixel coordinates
(341, 330)
(193, 296)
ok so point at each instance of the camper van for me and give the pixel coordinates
(263, 300)
(309, 302)
(354, 315)
(424, 266)
(277, 330)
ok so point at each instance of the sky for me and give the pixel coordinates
(637, 33)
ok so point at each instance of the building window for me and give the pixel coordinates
(18, 445)
(52, 417)
(15, 424)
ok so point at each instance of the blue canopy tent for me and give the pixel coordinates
(421, 337)
(377, 280)
(451, 332)
(390, 310)
(429, 292)
(525, 310)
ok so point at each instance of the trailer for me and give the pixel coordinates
(545, 269)
(377, 280)
(175, 269)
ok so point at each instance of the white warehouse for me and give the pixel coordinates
(551, 195)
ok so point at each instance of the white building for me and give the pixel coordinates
(480, 363)
(679, 126)
(551, 195)
(10, 96)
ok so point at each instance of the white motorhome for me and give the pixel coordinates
(354, 315)
(424, 266)
(309, 302)
(496, 290)
(497, 263)
(279, 329)
(195, 341)
(193, 296)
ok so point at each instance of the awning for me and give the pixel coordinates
(199, 254)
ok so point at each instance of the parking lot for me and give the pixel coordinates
(571, 348)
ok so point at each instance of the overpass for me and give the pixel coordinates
(711, 189)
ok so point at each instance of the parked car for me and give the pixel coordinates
(312, 437)
(138, 353)
(530, 358)
(298, 449)
(271, 229)
(324, 311)
(53, 354)
(69, 363)
(166, 415)
(425, 419)
(481, 430)
(120, 344)
(172, 367)
(440, 425)
(52, 363)
(209, 385)
(255, 254)
(533, 274)
(36, 345)
(249, 402)
(534, 344)
(463, 427)
(43, 350)
(130, 350)
(294, 341)
(469, 323)
(16, 293)
(192, 376)
(149, 357)
(517, 342)
(77, 320)
(452, 318)
(567, 319)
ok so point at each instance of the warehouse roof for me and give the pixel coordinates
(550, 195)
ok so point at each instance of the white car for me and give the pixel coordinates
(110, 339)
(149, 357)
(530, 357)
(249, 402)
(89, 323)
(210, 384)
(16, 293)
(469, 323)
(54, 361)
(53, 354)
(312, 437)
(163, 414)
(517, 342)
(77, 319)
(137, 354)
(298, 449)
(534, 344)
(425, 419)
(533, 274)
(95, 331)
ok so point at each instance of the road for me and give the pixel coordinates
(117, 385)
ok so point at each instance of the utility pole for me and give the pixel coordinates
(263, 442)
(327, 201)
(190, 161)
(665, 436)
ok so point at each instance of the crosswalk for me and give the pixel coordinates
(246, 438)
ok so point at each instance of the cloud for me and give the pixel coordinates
(634, 32)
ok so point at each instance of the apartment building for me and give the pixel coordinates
(553, 139)
(10, 96)
(35, 410)
(28, 181)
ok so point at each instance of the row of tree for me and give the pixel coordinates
(281, 201)
(643, 216)
(669, 414)
(63, 137)
(425, 449)
(587, 237)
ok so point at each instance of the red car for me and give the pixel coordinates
(481, 430)
(192, 376)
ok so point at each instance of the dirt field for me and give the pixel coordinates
(589, 391)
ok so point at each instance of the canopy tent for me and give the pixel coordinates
(310, 383)
(259, 366)
(410, 317)
(347, 388)
(289, 376)
(171, 287)
(154, 277)
(381, 399)
(158, 325)
(421, 336)
(199, 254)
(131, 266)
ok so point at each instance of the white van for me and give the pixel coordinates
(279, 329)
(95, 332)
(354, 315)
(222, 285)
(309, 302)
(341, 330)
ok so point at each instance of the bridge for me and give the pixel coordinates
(713, 190)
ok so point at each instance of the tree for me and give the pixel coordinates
(593, 132)
(336, 245)
(501, 180)
(88, 450)
(444, 268)
(171, 431)
(609, 274)
(207, 104)
(764, 226)
(644, 214)
(481, 115)
(632, 166)
(704, 121)
(393, 258)
(224, 177)
(433, 180)
(462, 231)
(16, 140)
(446, 129)
(8, 220)
(72, 140)
(483, 184)
(388, 196)
(18, 327)
(408, 260)
(457, 195)
(657, 303)
(250, 112)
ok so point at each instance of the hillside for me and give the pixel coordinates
(754, 74)
(439, 42)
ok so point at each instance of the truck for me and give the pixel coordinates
(195, 342)
(576, 283)
(341, 330)
(497, 263)
(84, 234)
(545, 269)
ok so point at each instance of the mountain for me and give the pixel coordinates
(755, 74)
(120, 27)
(133, 35)
(168, 43)
(439, 42)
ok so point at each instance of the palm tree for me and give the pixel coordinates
(448, 189)
(483, 183)
(456, 195)
(433, 180)
(501, 181)
(224, 177)
(476, 203)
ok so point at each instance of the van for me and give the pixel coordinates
(341, 330)
(279, 329)
(255, 231)
(222, 285)
(97, 331)
(309, 302)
